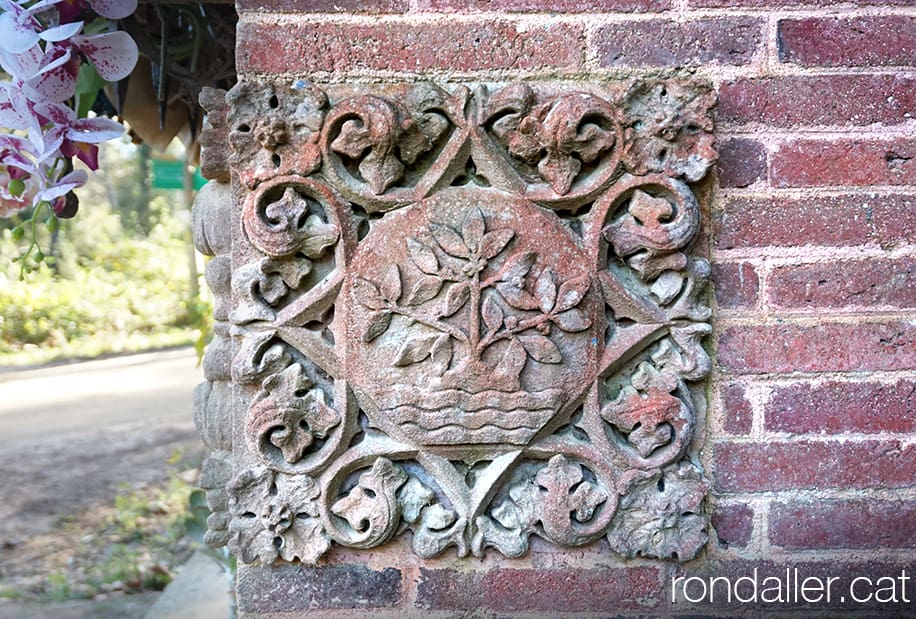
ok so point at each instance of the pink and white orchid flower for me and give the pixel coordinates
(42, 46)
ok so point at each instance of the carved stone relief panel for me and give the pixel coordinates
(468, 311)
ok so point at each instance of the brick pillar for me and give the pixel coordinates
(469, 335)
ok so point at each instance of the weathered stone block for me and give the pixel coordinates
(469, 312)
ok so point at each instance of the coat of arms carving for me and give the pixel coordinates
(469, 311)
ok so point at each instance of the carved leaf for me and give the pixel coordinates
(572, 321)
(378, 324)
(559, 170)
(494, 242)
(425, 289)
(540, 348)
(441, 354)
(415, 350)
(305, 541)
(372, 508)
(449, 240)
(353, 139)
(423, 257)
(545, 289)
(571, 293)
(517, 265)
(649, 210)
(473, 228)
(568, 494)
(584, 499)
(492, 314)
(457, 296)
(513, 360)
(414, 496)
(317, 236)
(281, 276)
(516, 297)
(367, 294)
(391, 284)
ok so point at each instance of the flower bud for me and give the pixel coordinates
(16, 187)
(18, 232)
(52, 223)
(66, 206)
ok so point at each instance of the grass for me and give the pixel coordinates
(131, 545)
(94, 347)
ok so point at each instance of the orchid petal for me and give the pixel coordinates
(54, 57)
(23, 65)
(56, 85)
(57, 113)
(114, 9)
(11, 116)
(95, 130)
(114, 54)
(38, 7)
(62, 33)
(51, 147)
(15, 36)
(65, 185)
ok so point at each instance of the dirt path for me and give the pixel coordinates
(105, 427)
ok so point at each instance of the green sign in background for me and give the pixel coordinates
(169, 174)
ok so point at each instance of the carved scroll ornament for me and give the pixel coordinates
(469, 312)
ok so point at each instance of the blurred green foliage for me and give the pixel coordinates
(115, 281)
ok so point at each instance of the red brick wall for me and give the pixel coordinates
(811, 432)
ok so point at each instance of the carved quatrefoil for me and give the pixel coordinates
(469, 312)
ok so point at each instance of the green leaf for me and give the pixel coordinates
(88, 85)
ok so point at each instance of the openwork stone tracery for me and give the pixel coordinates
(466, 311)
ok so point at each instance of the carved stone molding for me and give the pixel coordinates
(469, 311)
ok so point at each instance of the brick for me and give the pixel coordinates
(568, 590)
(792, 4)
(734, 525)
(838, 407)
(859, 283)
(540, 6)
(815, 163)
(398, 46)
(736, 285)
(866, 41)
(771, 466)
(820, 524)
(446, 589)
(826, 347)
(572, 590)
(737, 413)
(325, 6)
(666, 43)
(791, 572)
(742, 162)
(292, 587)
(825, 100)
(849, 219)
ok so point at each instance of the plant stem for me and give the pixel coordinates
(438, 325)
(524, 325)
(474, 327)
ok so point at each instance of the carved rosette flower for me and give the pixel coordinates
(274, 515)
(274, 131)
(661, 515)
(671, 129)
(288, 418)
